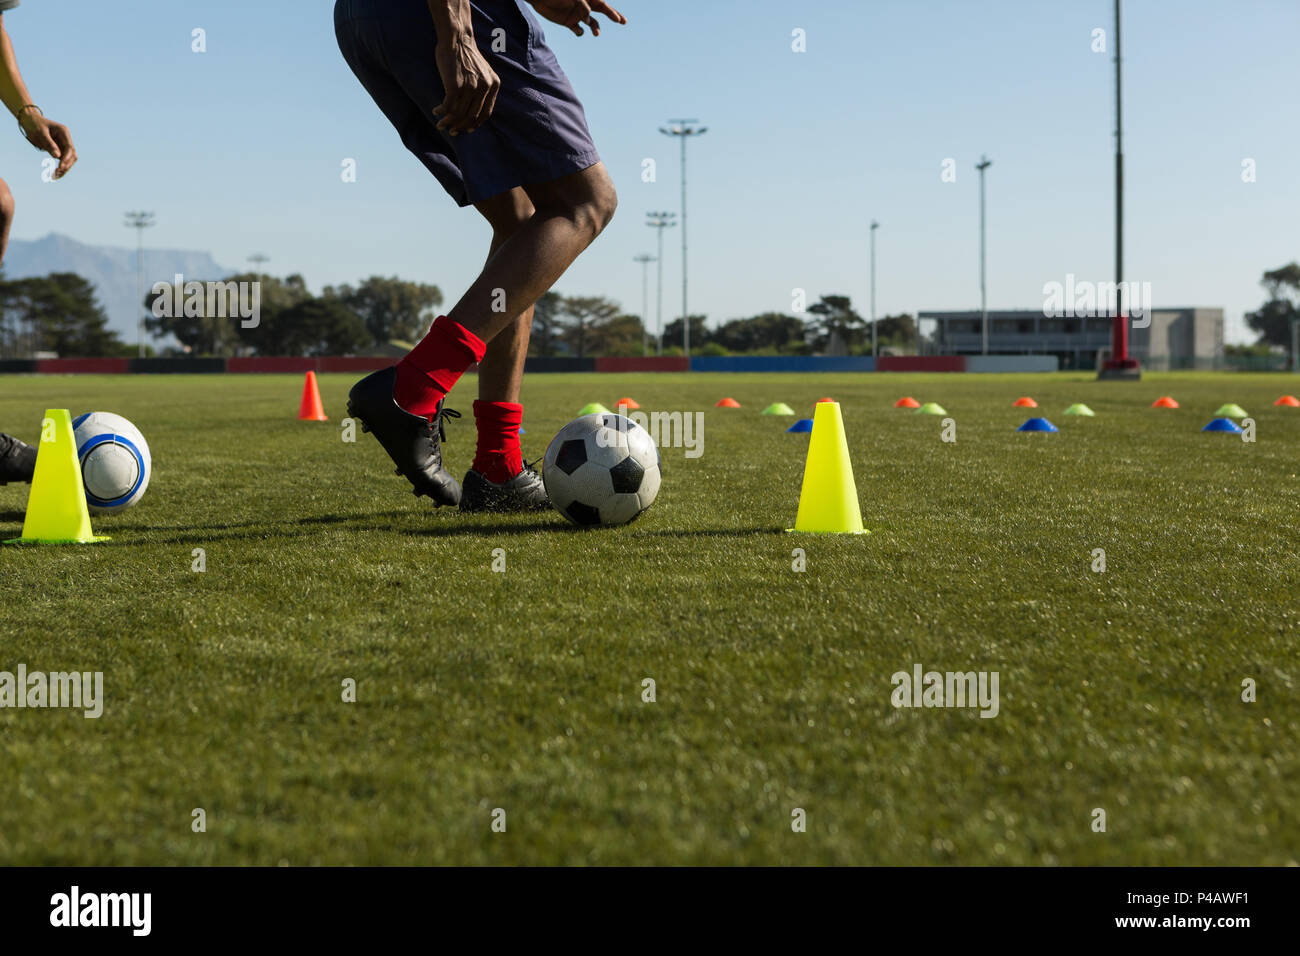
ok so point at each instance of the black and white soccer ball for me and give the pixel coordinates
(601, 469)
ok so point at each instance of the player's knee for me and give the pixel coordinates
(608, 206)
(597, 210)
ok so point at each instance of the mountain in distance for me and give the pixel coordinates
(112, 269)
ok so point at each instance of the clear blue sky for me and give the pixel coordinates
(238, 150)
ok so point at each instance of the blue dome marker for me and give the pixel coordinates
(1223, 425)
(801, 426)
(1037, 425)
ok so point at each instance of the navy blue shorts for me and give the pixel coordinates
(537, 131)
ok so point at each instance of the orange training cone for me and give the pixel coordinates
(822, 401)
(1024, 402)
(1290, 401)
(907, 401)
(727, 403)
(631, 403)
(311, 409)
(1164, 401)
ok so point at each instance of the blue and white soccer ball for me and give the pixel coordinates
(115, 462)
(601, 469)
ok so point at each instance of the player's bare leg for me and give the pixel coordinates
(476, 95)
(502, 370)
(404, 405)
(500, 480)
(569, 214)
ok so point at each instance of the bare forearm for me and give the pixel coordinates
(452, 20)
(13, 91)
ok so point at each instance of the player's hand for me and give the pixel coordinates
(574, 13)
(51, 137)
(471, 84)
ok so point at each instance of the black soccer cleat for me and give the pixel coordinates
(412, 441)
(523, 492)
(17, 460)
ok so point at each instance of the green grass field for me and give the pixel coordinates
(522, 690)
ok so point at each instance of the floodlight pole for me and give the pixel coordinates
(645, 259)
(982, 165)
(1121, 364)
(684, 130)
(139, 221)
(874, 226)
(660, 221)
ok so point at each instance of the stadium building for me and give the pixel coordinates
(1180, 338)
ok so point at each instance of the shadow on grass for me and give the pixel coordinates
(449, 524)
(289, 527)
(565, 527)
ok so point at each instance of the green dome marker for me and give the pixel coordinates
(931, 408)
(1231, 411)
(595, 408)
(1078, 408)
(778, 408)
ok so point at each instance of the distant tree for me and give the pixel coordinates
(211, 325)
(835, 323)
(193, 321)
(1273, 319)
(313, 327)
(621, 335)
(583, 319)
(272, 336)
(323, 327)
(545, 338)
(673, 334)
(769, 332)
(895, 330)
(392, 309)
(55, 313)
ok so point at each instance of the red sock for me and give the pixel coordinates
(498, 457)
(429, 370)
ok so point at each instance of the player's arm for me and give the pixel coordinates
(574, 13)
(471, 84)
(42, 133)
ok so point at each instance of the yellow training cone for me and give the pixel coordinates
(56, 507)
(828, 502)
